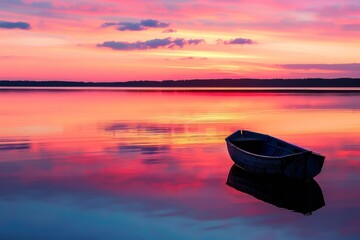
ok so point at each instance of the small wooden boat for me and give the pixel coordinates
(263, 154)
(301, 197)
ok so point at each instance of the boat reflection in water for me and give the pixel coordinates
(302, 197)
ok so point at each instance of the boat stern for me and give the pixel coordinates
(306, 166)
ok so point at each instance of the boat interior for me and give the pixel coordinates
(267, 147)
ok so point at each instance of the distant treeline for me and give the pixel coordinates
(309, 82)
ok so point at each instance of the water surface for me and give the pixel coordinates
(116, 164)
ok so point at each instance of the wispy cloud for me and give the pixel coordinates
(340, 70)
(332, 11)
(151, 44)
(351, 27)
(352, 67)
(43, 4)
(240, 41)
(15, 25)
(137, 26)
(193, 58)
(12, 2)
(170, 30)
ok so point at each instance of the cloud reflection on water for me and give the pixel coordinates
(171, 162)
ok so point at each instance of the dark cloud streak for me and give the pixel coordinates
(15, 25)
(240, 41)
(153, 23)
(151, 44)
(140, 26)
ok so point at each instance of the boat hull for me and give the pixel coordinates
(300, 165)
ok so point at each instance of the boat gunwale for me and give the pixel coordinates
(304, 151)
(266, 156)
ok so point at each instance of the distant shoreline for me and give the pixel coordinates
(196, 83)
(310, 90)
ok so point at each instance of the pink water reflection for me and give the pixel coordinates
(165, 151)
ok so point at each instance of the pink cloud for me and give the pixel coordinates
(350, 67)
(351, 27)
(335, 11)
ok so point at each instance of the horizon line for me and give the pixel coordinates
(178, 80)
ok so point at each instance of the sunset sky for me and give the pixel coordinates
(119, 40)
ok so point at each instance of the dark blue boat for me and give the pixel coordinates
(263, 154)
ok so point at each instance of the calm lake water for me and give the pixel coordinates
(116, 164)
